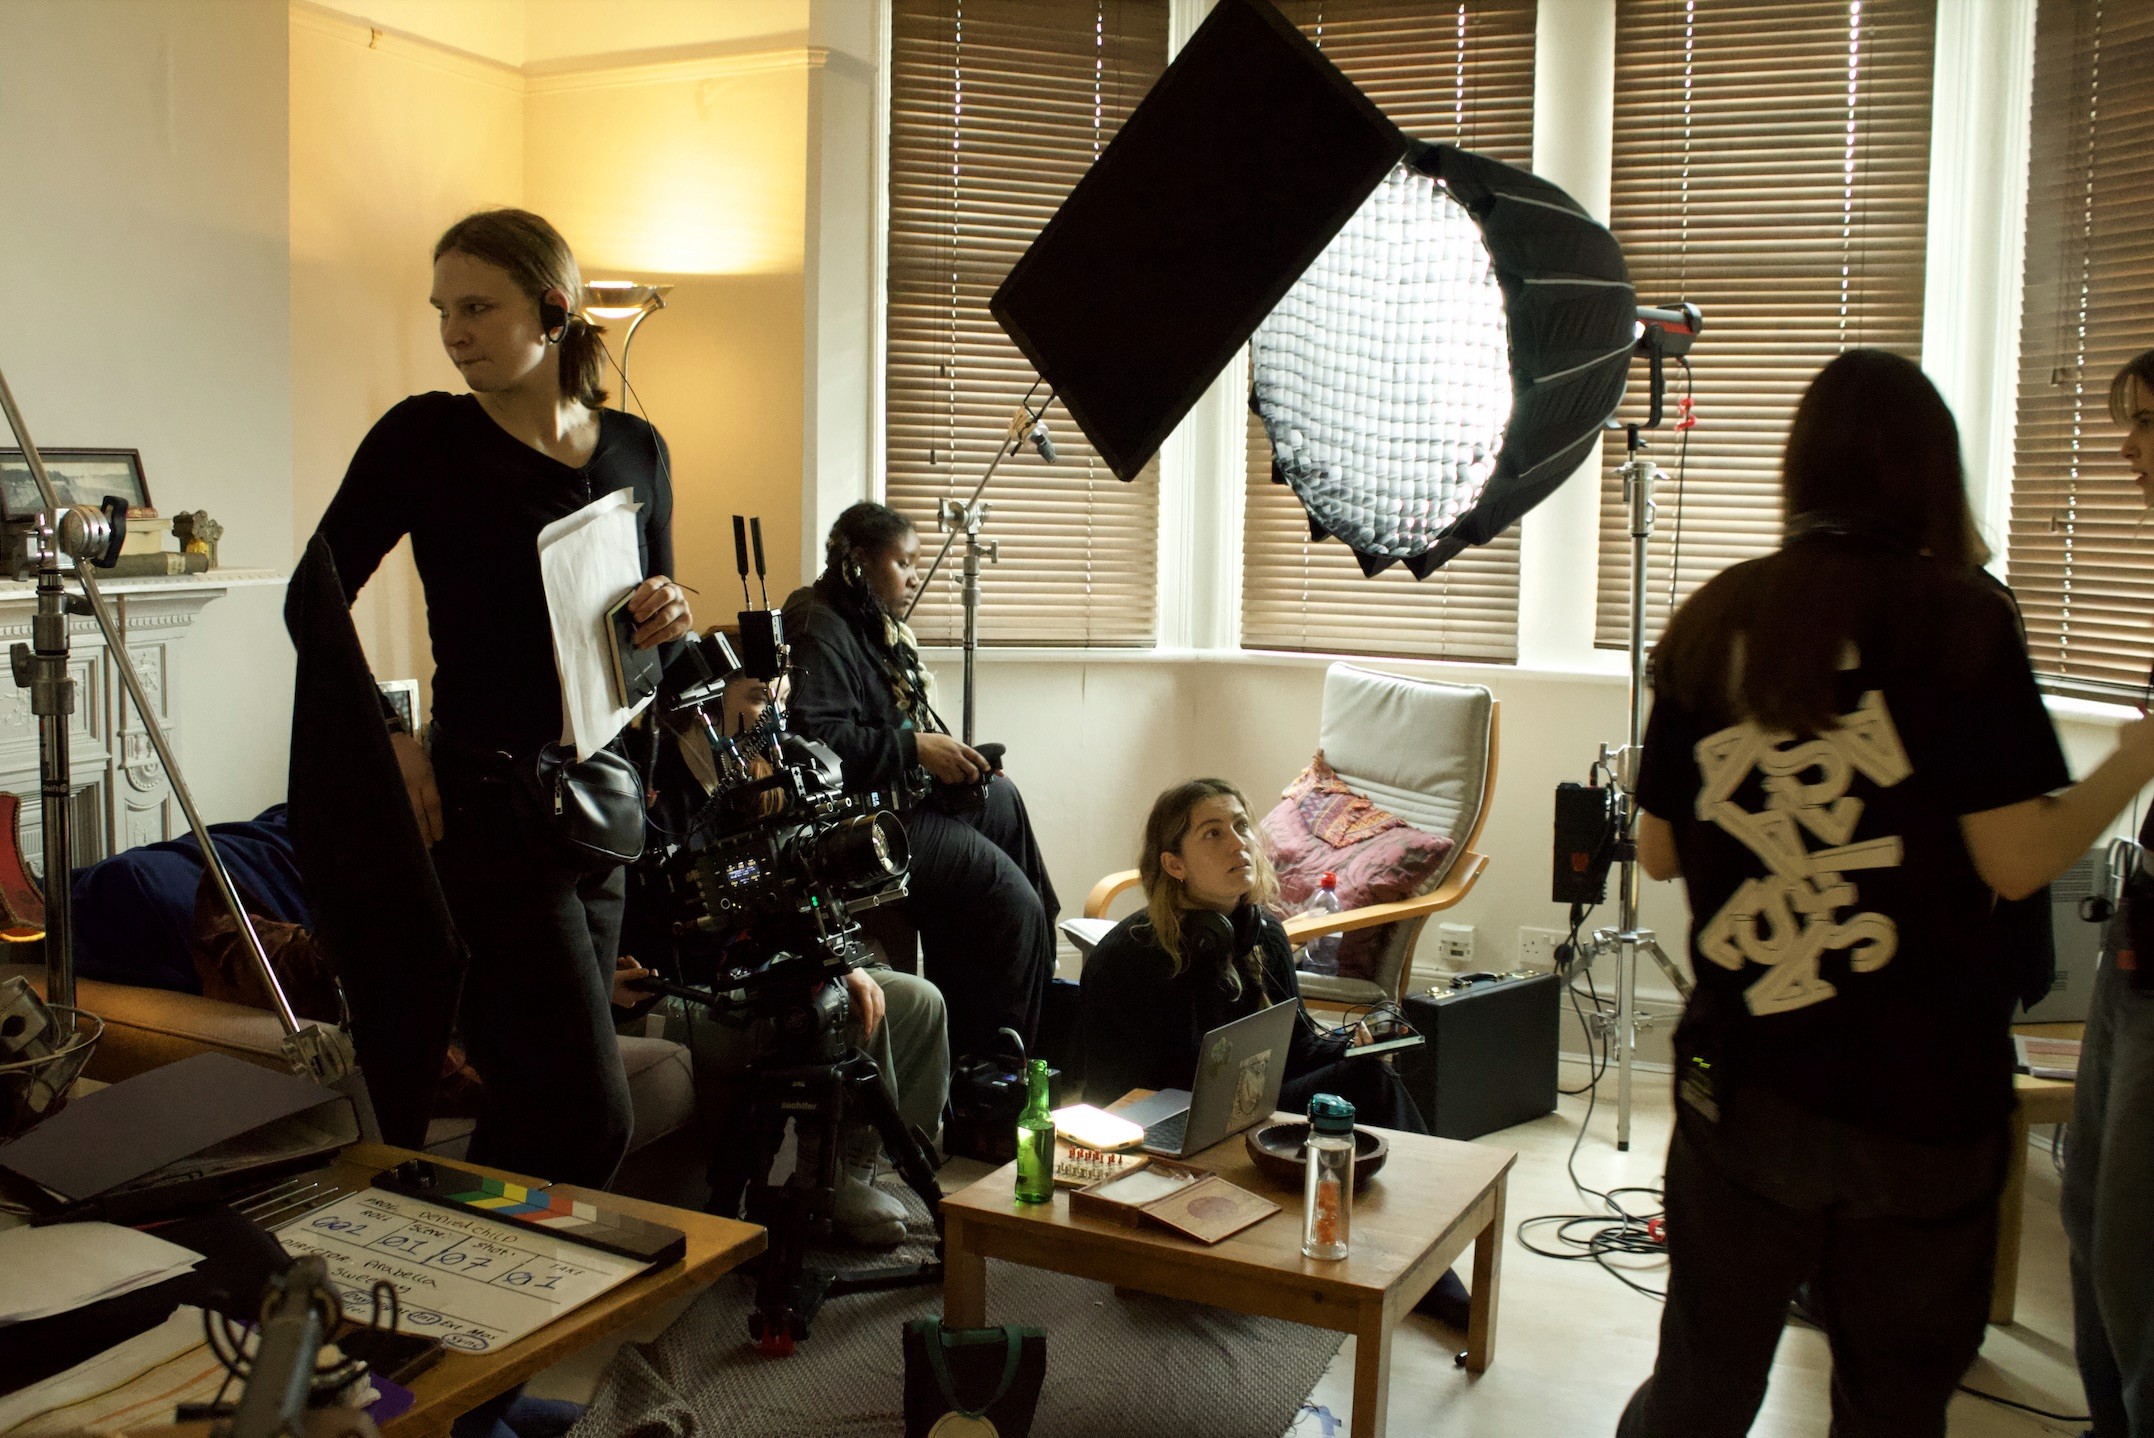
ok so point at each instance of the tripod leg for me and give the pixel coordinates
(908, 1152)
(786, 1297)
(1668, 967)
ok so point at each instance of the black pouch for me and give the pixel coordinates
(959, 800)
(592, 809)
(972, 1382)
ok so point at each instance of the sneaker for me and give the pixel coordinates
(864, 1215)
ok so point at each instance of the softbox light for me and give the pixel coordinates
(1382, 368)
(1446, 362)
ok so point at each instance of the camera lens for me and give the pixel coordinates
(867, 848)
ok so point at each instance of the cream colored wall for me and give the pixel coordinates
(693, 173)
(1093, 739)
(391, 141)
(556, 30)
(144, 274)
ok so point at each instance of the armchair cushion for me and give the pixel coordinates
(1320, 826)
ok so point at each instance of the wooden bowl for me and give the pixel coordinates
(1276, 1150)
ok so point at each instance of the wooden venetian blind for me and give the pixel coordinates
(2078, 554)
(1460, 74)
(1771, 165)
(997, 108)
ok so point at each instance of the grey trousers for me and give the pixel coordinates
(911, 1046)
(2108, 1205)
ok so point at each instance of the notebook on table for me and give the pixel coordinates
(1240, 1067)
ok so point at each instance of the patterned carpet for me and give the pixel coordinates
(1121, 1364)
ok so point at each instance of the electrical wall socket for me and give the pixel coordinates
(1537, 948)
(1454, 943)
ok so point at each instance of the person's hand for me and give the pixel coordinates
(949, 760)
(660, 609)
(867, 996)
(625, 972)
(418, 772)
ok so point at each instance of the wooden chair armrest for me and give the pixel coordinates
(1303, 927)
(1104, 892)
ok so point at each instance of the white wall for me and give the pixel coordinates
(144, 271)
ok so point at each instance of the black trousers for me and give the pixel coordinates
(537, 1013)
(986, 914)
(1372, 1086)
(1897, 1240)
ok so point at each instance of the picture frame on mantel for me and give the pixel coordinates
(81, 476)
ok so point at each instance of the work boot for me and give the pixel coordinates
(860, 1213)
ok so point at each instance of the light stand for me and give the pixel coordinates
(965, 517)
(320, 1053)
(628, 300)
(1628, 939)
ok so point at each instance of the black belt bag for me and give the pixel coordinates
(592, 809)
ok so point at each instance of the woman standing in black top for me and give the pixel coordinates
(1848, 762)
(980, 893)
(472, 479)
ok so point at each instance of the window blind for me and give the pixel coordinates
(1771, 165)
(2077, 552)
(1456, 73)
(997, 108)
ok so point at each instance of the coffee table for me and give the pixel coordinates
(1433, 1198)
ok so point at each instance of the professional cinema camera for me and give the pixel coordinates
(758, 889)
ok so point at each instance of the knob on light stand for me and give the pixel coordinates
(1028, 425)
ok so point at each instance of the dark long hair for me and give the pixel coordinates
(538, 260)
(1871, 483)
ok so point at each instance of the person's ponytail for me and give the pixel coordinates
(583, 363)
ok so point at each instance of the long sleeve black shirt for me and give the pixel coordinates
(842, 696)
(1144, 1023)
(473, 498)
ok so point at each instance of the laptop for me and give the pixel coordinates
(1240, 1067)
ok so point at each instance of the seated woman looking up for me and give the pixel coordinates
(1204, 952)
(980, 893)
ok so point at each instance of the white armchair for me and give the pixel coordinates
(1424, 750)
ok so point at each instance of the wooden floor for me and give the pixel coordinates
(1573, 1342)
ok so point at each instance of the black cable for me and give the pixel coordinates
(2026, 1407)
(1617, 1230)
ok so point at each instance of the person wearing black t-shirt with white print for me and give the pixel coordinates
(1847, 763)
(2108, 1201)
(473, 478)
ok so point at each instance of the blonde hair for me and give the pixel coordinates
(538, 260)
(1165, 828)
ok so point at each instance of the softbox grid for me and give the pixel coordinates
(1383, 378)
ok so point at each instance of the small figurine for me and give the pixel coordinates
(198, 534)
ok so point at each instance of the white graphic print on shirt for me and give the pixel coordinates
(1788, 919)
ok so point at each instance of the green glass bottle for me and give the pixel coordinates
(1036, 1140)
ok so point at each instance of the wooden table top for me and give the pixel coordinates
(2044, 1100)
(461, 1381)
(1426, 1190)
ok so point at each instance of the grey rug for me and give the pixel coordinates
(1123, 1364)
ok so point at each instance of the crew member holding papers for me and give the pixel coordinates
(474, 479)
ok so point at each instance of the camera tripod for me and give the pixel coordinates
(810, 1079)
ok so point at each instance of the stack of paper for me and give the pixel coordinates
(61, 1267)
(174, 1351)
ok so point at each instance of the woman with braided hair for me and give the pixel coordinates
(980, 892)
